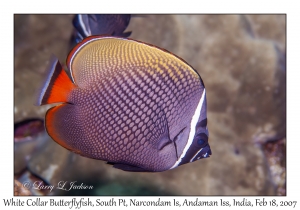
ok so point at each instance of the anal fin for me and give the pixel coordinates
(63, 127)
(126, 167)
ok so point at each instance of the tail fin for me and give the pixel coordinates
(56, 86)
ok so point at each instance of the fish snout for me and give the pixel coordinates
(205, 152)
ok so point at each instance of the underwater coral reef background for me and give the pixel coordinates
(242, 61)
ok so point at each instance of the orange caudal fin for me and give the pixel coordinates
(57, 85)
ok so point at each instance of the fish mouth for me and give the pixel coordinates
(205, 152)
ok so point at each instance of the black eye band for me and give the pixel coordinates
(202, 123)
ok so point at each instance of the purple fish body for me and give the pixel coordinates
(138, 107)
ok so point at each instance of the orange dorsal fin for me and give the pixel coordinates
(57, 85)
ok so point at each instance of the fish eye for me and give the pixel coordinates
(200, 142)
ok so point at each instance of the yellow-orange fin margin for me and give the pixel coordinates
(52, 125)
